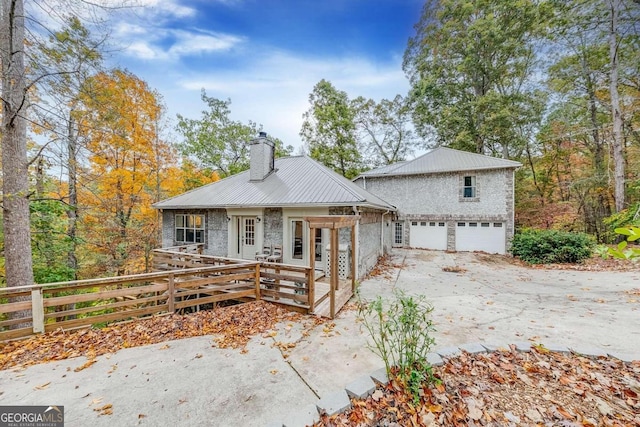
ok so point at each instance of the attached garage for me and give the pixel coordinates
(481, 236)
(428, 235)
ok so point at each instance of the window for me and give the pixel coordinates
(462, 224)
(497, 224)
(423, 224)
(469, 189)
(441, 224)
(397, 238)
(189, 228)
(473, 224)
(249, 231)
(296, 238)
(432, 224)
(414, 223)
(484, 224)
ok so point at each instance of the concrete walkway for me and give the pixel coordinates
(189, 382)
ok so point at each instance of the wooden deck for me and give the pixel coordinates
(184, 280)
(323, 305)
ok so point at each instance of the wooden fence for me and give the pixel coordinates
(83, 303)
(184, 278)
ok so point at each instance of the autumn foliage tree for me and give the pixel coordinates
(119, 121)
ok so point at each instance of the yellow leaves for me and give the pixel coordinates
(233, 326)
(105, 410)
(43, 386)
(85, 365)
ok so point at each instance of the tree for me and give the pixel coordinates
(471, 66)
(67, 60)
(329, 130)
(216, 141)
(120, 119)
(15, 184)
(385, 130)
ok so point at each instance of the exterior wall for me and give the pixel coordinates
(273, 226)
(368, 237)
(217, 236)
(215, 229)
(438, 197)
(218, 230)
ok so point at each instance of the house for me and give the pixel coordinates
(265, 206)
(449, 200)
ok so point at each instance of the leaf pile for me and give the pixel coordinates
(509, 388)
(233, 326)
(385, 267)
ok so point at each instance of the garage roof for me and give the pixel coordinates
(296, 182)
(442, 159)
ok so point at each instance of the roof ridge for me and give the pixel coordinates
(203, 186)
(335, 176)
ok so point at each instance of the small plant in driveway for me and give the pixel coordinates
(401, 333)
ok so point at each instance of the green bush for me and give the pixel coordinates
(401, 333)
(551, 246)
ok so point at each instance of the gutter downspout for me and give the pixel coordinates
(382, 232)
(356, 250)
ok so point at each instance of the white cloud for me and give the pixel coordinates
(165, 7)
(168, 44)
(274, 89)
(190, 44)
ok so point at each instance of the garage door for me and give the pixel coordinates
(428, 235)
(480, 236)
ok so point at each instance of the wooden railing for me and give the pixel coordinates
(183, 279)
(282, 283)
(287, 284)
(99, 301)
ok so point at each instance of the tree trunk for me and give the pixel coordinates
(72, 213)
(15, 185)
(618, 149)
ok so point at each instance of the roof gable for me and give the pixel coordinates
(441, 160)
(296, 181)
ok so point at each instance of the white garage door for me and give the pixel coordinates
(428, 235)
(480, 236)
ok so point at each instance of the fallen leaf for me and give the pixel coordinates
(42, 387)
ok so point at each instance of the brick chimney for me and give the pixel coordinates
(261, 157)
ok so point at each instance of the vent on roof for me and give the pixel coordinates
(261, 157)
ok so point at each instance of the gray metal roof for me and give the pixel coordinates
(443, 159)
(295, 182)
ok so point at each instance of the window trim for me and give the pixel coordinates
(186, 219)
(472, 188)
(398, 232)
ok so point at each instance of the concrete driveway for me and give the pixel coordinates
(189, 382)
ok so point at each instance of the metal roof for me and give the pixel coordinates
(443, 159)
(296, 182)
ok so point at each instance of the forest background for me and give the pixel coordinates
(87, 149)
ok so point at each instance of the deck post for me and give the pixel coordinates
(311, 283)
(354, 255)
(257, 277)
(334, 272)
(171, 294)
(37, 311)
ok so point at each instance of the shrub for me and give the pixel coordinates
(551, 246)
(401, 336)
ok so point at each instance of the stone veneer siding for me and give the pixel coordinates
(273, 226)
(368, 237)
(437, 197)
(215, 235)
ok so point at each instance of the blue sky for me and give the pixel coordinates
(265, 55)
